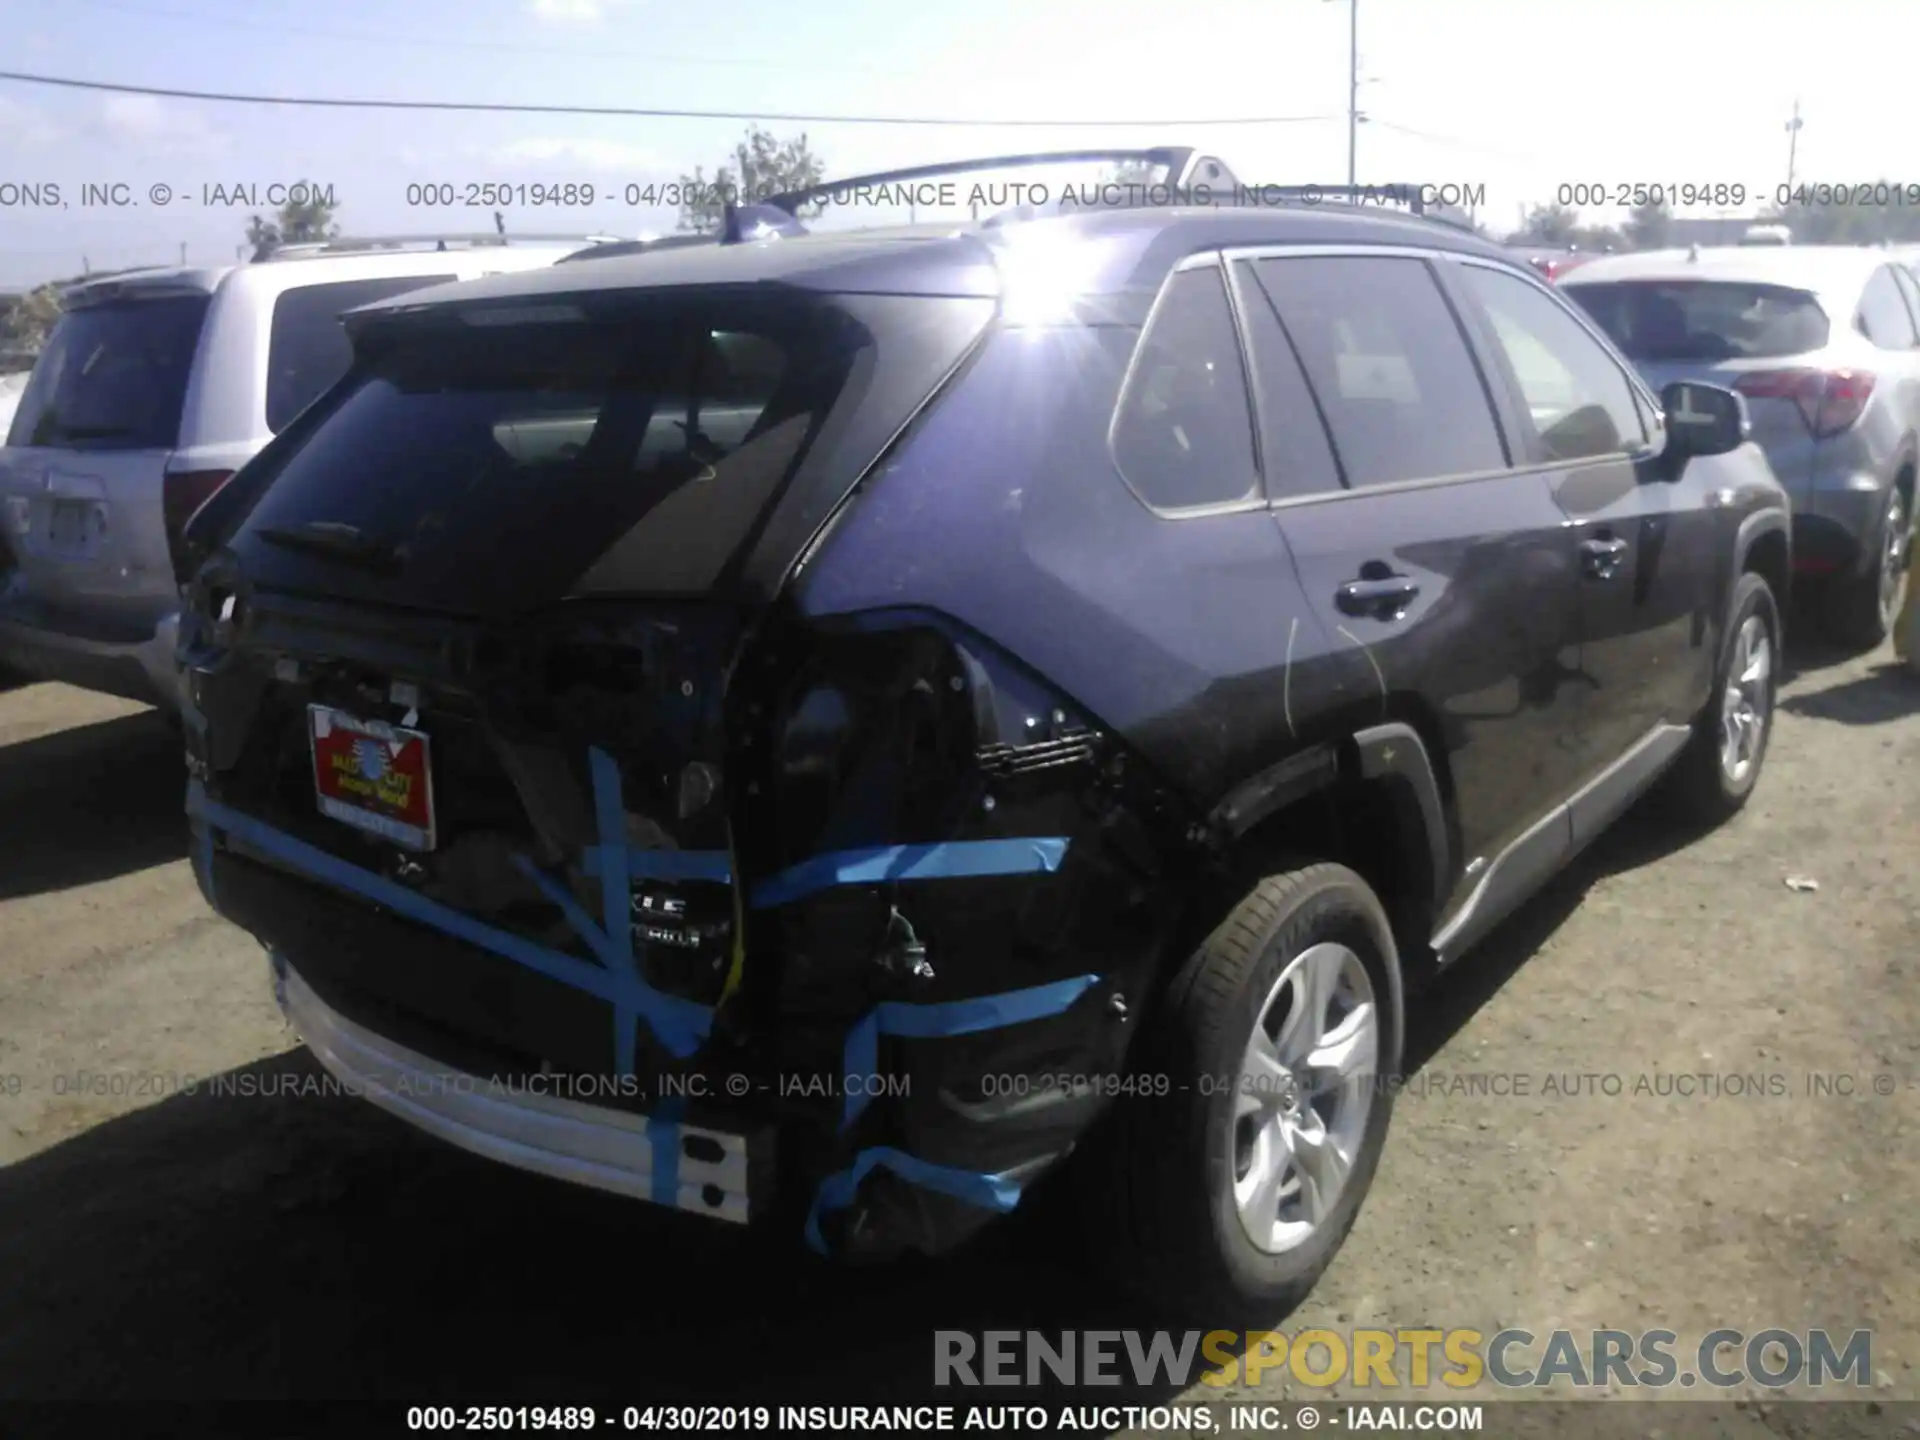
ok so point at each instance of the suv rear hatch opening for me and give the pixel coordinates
(505, 744)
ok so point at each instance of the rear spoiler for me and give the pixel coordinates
(138, 285)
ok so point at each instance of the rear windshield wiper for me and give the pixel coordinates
(329, 540)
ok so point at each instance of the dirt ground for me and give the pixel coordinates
(158, 1244)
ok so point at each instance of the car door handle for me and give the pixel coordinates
(1381, 599)
(1602, 557)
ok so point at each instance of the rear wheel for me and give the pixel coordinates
(1860, 611)
(1721, 764)
(1235, 1187)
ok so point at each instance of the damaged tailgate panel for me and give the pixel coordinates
(705, 865)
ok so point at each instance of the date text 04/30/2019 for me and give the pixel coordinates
(1724, 194)
(1100, 1419)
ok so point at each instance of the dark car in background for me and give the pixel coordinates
(1823, 341)
(829, 731)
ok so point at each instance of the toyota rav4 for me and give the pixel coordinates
(823, 730)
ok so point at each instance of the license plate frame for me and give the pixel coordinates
(352, 757)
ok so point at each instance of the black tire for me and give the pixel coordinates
(1701, 782)
(1858, 612)
(1168, 1175)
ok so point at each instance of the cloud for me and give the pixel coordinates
(587, 154)
(575, 12)
(23, 127)
(156, 126)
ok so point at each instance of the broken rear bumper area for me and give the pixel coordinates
(869, 1128)
(528, 1125)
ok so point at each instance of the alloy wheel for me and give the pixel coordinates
(1303, 1095)
(1745, 708)
(1893, 559)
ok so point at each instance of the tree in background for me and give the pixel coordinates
(299, 222)
(761, 165)
(1139, 174)
(26, 323)
(1649, 225)
(1558, 227)
(1549, 225)
(1848, 215)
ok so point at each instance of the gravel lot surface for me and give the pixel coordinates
(1542, 1171)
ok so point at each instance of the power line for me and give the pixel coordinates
(779, 117)
(1474, 145)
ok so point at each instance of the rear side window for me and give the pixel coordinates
(1392, 372)
(662, 436)
(309, 349)
(1577, 398)
(1183, 430)
(1883, 317)
(113, 377)
(1702, 320)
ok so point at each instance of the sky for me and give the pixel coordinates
(1519, 98)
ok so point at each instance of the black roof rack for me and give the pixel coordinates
(1191, 176)
(432, 241)
(1182, 162)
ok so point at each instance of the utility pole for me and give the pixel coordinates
(183, 254)
(1793, 145)
(1353, 92)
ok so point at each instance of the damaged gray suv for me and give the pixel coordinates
(827, 731)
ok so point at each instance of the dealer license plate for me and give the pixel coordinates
(373, 776)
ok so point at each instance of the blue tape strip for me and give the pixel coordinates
(877, 865)
(616, 890)
(663, 1139)
(681, 1024)
(711, 865)
(990, 1192)
(861, 1057)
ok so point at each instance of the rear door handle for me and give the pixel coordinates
(1602, 557)
(1381, 599)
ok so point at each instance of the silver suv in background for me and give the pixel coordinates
(1824, 343)
(155, 386)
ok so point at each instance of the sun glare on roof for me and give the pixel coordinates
(1044, 269)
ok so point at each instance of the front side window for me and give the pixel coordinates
(1579, 401)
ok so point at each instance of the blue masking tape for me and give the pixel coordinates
(616, 890)
(680, 1023)
(990, 1192)
(663, 1139)
(861, 1057)
(880, 864)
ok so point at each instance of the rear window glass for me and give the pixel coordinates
(651, 445)
(1703, 320)
(113, 377)
(309, 349)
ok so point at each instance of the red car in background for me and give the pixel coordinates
(1550, 262)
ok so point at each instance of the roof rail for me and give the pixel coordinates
(360, 244)
(1183, 164)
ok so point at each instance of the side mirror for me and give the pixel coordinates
(1702, 420)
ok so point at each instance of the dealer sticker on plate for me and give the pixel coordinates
(374, 776)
